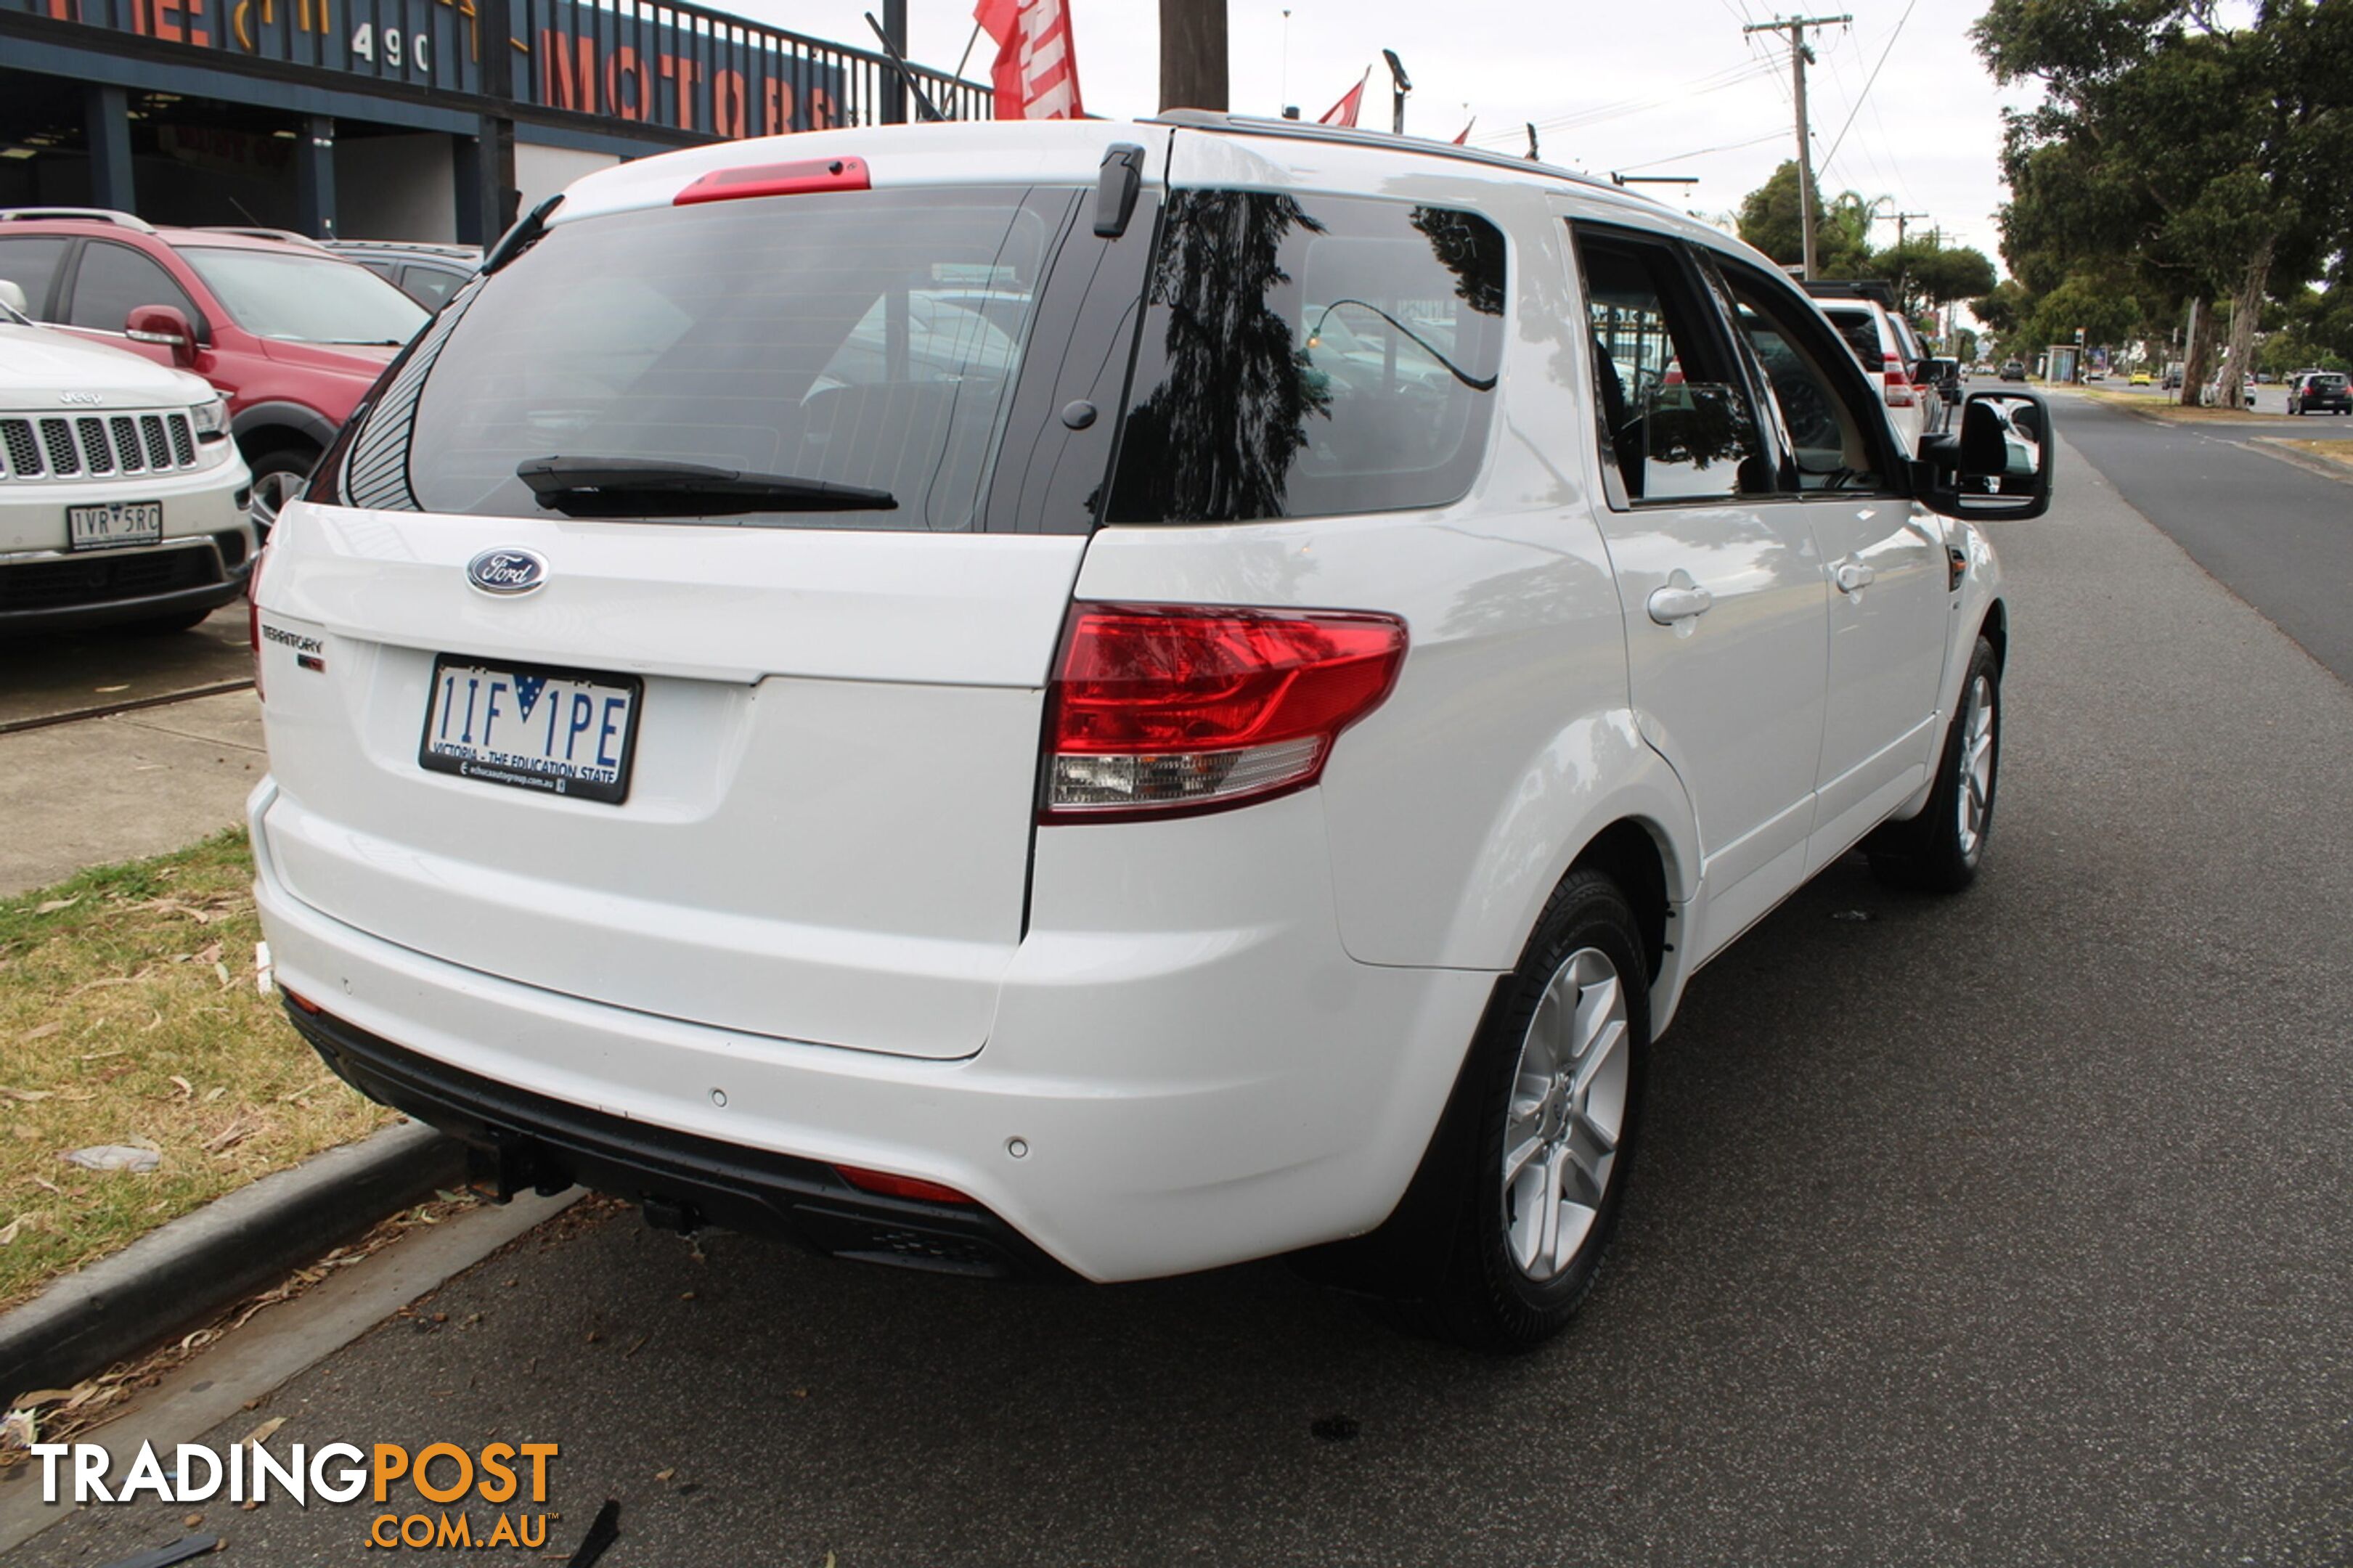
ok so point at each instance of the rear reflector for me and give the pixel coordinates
(1898, 384)
(892, 1186)
(299, 1001)
(253, 618)
(1156, 710)
(795, 179)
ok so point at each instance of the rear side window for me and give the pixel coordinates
(865, 339)
(1310, 356)
(31, 264)
(1861, 330)
(1674, 416)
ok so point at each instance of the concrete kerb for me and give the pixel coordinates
(2275, 447)
(177, 1276)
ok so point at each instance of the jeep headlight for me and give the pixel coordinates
(211, 422)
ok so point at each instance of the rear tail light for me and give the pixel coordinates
(1155, 710)
(892, 1186)
(1898, 383)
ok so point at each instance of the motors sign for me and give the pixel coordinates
(669, 66)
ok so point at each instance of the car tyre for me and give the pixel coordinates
(1556, 1082)
(1939, 850)
(278, 476)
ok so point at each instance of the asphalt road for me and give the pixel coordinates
(2015, 1229)
(2281, 537)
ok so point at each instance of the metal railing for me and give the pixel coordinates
(678, 67)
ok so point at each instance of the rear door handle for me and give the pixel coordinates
(1679, 602)
(1853, 576)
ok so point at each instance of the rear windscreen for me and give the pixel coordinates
(858, 339)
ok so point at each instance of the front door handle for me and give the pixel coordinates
(1853, 576)
(1679, 602)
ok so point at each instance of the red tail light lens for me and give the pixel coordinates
(1159, 710)
(1898, 383)
(892, 1186)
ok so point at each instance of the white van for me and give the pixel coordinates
(1107, 697)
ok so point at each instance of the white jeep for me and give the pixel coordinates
(122, 498)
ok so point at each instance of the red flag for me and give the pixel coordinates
(1036, 72)
(1464, 139)
(1345, 111)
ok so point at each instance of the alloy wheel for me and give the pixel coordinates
(1567, 1114)
(1975, 802)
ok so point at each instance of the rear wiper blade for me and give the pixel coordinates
(650, 486)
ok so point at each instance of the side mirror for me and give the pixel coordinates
(13, 296)
(164, 324)
(1998, 466)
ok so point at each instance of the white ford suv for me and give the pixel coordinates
(1115, 698)
(123, 500)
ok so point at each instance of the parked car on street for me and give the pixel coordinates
(1106, 798)
(1890, 354)
(2172, 378)
(428, 274)
(291, 335)
(123, 500)
(2319, 392)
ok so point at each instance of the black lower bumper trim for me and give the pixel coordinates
(521, 1140)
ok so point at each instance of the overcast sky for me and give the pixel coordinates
(1655, 87)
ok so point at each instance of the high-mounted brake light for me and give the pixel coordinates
(1159, 710)
(892, 1186)
(796, 179)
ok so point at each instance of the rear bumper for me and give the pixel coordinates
(1180, 1099)
(522, 1140)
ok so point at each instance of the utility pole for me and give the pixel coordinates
(1193, 54)
(1801, 55)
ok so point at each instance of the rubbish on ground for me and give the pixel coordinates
(115, 1157)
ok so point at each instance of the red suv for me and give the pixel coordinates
(291, 334)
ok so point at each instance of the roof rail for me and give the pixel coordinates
(75, 214)
(284, 236)
(1300, 129)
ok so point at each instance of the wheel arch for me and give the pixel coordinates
(266, 426)
(1638, 854)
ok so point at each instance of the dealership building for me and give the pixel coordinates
(416, 120)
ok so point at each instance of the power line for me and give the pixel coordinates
(1870, 82)
(1701, 152)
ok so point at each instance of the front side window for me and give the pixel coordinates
(1829, 447)
(844, 360)
(1676, 423)
(1310, 356)
(297, 297)
(114, 281)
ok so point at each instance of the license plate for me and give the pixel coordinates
(571, 732)
(114, 525)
